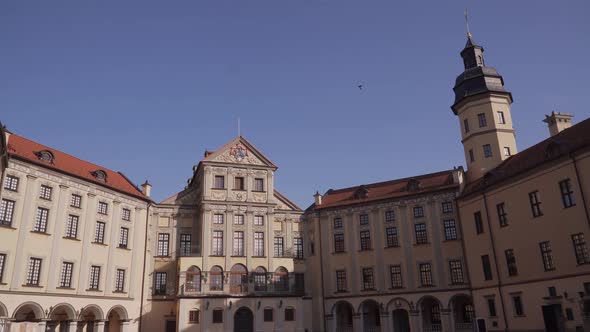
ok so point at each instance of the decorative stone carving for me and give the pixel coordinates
(218, 195)
(259, 197)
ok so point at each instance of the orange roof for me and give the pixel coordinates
(25, 149)
(387, 190)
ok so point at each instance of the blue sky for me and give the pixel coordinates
(144, 87)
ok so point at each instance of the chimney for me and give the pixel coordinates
(558, 122)
(459, 177)
(318, 198)
(146, 188)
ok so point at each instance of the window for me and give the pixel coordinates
(518, 310)
(123, 237)
(450, 229)
(238, 243)
(466, 125)
(94, 281)
(471, 156)
(219, 182)
(258, 184)
(507, 152)
(45, 155)
(279, 247)
(368, 282)
(99, 232)
(535, 204)
(569, 313)
(238, 219)
(487, 267)
(289, 314)
(552, 291)
(268, 315)
(391, 234)
(41, 220)
(185, 244)
(418, 212)
(547, 256)
(341, 281)
(501, 119)
(11, 183)
(260, 279)
(216, 278)
(389, 216)
(126, 214)
(492, 307)
(120, 280)
(72, 227)
(567, 193)
(478, 222)
(217, 249)
(337, 223)
(447, 207)
(258, 244)
(45, 192)
(426, 275)
(160, 283)
(2, 261)
(258, 220)
(456, 268)
(6, 210)
(365, 240)
(487, 150)
(193, 316)
(103, 208)
(511, 262)
(65, 280)
(163, 244)
(364, 219)
(421, 236)
(339, 242)
(435, 314)
(468, 313)
(76, 201)
(239, 183)
(481, 118)
(298, 244)
(34, 271)
(580, 249)
(395, 272)
(217, 316)
(218, 218)
(502, 216)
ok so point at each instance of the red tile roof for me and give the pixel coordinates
(387, 190)
(22, 148)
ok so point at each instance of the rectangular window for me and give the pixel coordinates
(392, 239)
(34, 271)
(456, 268)
(2, 262)
(217, 249)
(289, 314)
(471, 156)
(511, 262)
(99, 232)
(478, 222)
(518, 310)
(418, 212)
(160, 283)
(279, 247)
(11, 183)
(258, 244)
(103, 208)
(120, 280)
(389, 216)
(268, 315)
(218, 218)
(567, 193)
(6, 211)
(426, 275)
(421, 236)
(487, 150)
(185, 244)
(365, 240)
(580, 249)
(481, 118)
(492, 307)
(341, 281)
(123, 237)
(298, 244)
(238, 243)
(258, 220)
(547, 256)
(368, 281)
(94, 281)
(450, 229)
(72, 227)
(41, 220)
(364, 219)
(218, 316)
(507, 152)
(45, 192)
(238, 219)
(395, 272)
(258, 184)
(219, 182)
(447, 207)
(239, 183)
(466, 125)
(487, 267)
(65, 280)
(501, 119)
(76, 201)
(163, 244)
(339, 242)
(535, 203)
(502, 215)
(126, 214)
(337, 223)
(193, 316)
(569, 313)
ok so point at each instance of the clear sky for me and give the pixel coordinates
(144, 87)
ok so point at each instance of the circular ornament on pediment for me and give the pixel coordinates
(239, 152)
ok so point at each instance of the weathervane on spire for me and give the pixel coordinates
(467, 23)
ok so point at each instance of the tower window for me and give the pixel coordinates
(501, 119)
(487, 150)
(481, 117)
(471, 157)
(507, 152)
(466, 125)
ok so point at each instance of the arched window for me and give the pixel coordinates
(238, 279)
(100, 175)
(281, 279)
(45, 156)
(260, 279)
(216, 278)
(193, 279)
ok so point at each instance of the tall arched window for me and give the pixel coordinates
(260, 279)
(238, 279)
(281, 279)
(216, 278)
(193, 279)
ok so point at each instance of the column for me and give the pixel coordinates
(42, 325)
(415, 324)
(73, 326)
(228, 250)
(99, 326)
(330, 323)
(357, 322)
(445, 318)
(385, 322)
(258, 316)
(300, 315)
(125, 326)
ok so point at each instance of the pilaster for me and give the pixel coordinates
(24, 227)
(58, 231)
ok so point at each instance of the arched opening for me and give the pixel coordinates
(343, 316)
(61, 317)
(370, 316)
(281, 279)
(401, 320)
(27, 316)
(430, 312)
(243, 320)
(115, 319)
(260, 279)
(462, 312)
(238, 279)
(193, 279)
(216, 278)
(89, 317)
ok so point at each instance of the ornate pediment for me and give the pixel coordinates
(240, 151)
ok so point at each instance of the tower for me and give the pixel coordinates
(483, 108)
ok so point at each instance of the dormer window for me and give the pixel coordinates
(413, 185)
(100, 175)
(45, 156)
(362, 192)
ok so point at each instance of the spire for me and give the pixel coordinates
(472, 54)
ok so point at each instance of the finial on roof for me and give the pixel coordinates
(239, 129)
(467, 23)
(146, 183)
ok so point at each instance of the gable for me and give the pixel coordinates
(240, 151)
(283, 203)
